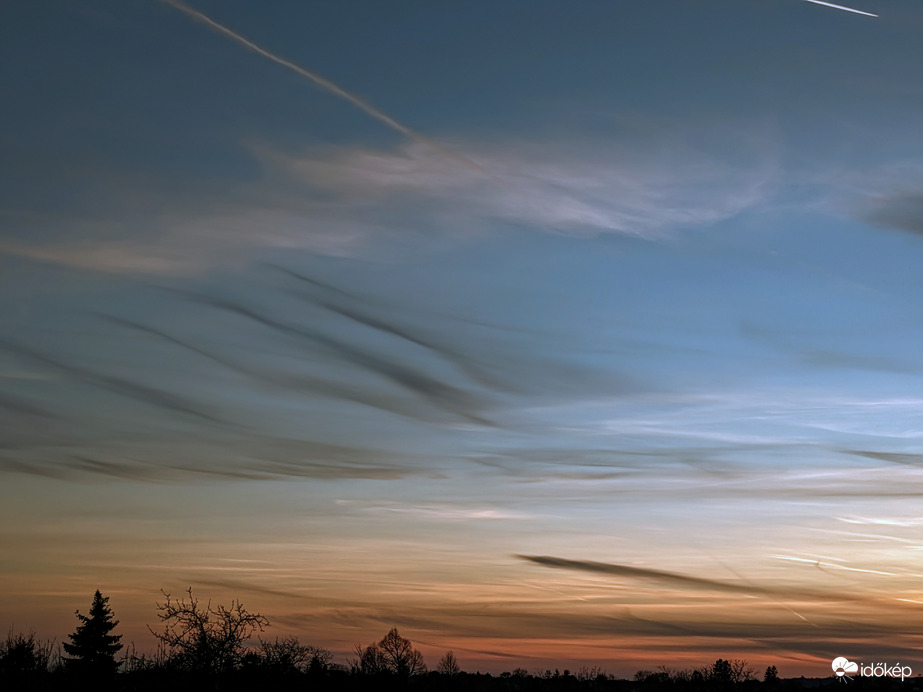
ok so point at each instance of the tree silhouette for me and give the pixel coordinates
(721, 672)
(448, 664)
(399, 655)
(771, 676)
(92, 647)
(369, 660)
(727, 674)
(206, 639)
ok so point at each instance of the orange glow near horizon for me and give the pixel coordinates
(496, 612)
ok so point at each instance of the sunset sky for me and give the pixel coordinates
(553, 333)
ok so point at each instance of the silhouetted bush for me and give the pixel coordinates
(25, 662)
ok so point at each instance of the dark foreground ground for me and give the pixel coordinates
(163, 680)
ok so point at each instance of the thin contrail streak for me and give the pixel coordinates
(838, 7)
(323, 83)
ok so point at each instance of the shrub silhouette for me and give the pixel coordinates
(24, 660)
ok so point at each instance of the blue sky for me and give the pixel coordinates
(632, 283)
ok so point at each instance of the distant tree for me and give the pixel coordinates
(369, 661)
(321, 659)
(448, 665)
(92, 648)
(654, 679)
(284, 654)
(721, 671)
(204, 638)
(399, 655)
(590, 674)
(741, 671)
(771, 676)
(732, 673)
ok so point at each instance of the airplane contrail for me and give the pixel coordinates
(840, 7)
(323, 83)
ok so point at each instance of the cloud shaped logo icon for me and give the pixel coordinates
(843, 666)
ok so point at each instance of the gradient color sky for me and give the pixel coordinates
(554, 333)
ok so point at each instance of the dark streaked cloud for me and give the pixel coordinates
(256, 458)
(413, 380)
(346, 348)
(672, 578)
(907, 459)
(686, 581)
(799, 345)
(901, 211)
(290, 381)
(22, 407)
(149, 395)
(349, 308)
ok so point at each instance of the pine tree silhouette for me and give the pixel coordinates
(93, 648)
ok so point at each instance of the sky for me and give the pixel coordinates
(557, 334)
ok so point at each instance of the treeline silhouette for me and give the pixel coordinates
(206, 647)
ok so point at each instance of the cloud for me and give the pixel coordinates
(20, 407)
(352, 201)
(134, 256)
(152, 396)
(302, 356)
(885, 196)
(548, 186)
(684, 581)
(902, 210)
(412, 379)
(912, 459)
(754, 627)
(256, 458)
(443, 512)
(348, 306)
(293, 382)
(671, 578)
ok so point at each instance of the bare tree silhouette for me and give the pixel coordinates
(448, 665)
(204, 638)
(399, 655)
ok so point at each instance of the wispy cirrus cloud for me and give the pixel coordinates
(554, 186)
(348, 200)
